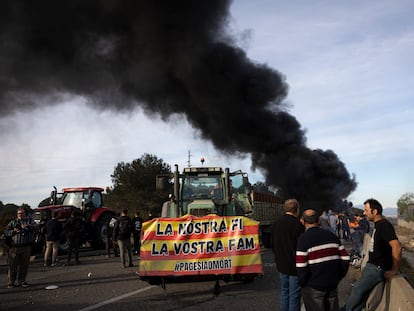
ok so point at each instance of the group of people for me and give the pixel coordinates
(54, 230)
(312, 260)
(119, 232)
(346, 227)
(22, 232)
(338, 223)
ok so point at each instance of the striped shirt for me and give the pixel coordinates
(321, 259)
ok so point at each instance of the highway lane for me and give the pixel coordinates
(99, 283)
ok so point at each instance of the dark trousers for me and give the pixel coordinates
(110, 243)
(346, 234)
(316, 300)
(137, 241)
(19, 259)
(125, 249)
(74, 244)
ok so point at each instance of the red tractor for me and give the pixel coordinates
(88, 201)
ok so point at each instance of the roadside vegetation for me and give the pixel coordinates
(7, 213)
(405, 236)
(405, 206)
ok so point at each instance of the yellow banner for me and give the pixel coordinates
(209, 245)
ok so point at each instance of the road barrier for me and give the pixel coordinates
(397, 293)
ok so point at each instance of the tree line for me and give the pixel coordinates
(405, 206)
(133, 187)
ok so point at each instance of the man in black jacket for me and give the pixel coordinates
(285, 233)
(74, 230)
(122, 234)
(54, 229)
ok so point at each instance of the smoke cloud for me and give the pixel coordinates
(168, 57)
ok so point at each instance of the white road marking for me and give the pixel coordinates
(107, 302)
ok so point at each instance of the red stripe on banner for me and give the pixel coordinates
(149, 255)
(153, 235)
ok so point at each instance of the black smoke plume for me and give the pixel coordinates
(168, 57)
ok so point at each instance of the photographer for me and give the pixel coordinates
(22, 232)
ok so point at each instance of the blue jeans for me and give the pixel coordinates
(371, 276)
(290, 293)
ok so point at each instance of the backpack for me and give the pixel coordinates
(125, 228)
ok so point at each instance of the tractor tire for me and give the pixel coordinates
(39, 245)
(99, 237)
(63, 245)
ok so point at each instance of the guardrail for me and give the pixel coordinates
(397, 294)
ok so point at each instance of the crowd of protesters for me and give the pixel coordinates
(346, 226)
(22, 236)
(321, 260)
(308, 249)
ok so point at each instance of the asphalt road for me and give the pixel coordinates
(99, 283)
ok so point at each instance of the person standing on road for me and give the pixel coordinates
(22, 232)
(324, 221)
(53, 230)
(321, 263)
(74, 230)
(110, 242)
(285, 233)
(136, 233)
(343, 218)
(358, 234)
(333, 222)
(122, 234)
(170, 208)
(383, 258)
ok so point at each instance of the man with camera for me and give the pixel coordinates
(21, 231)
